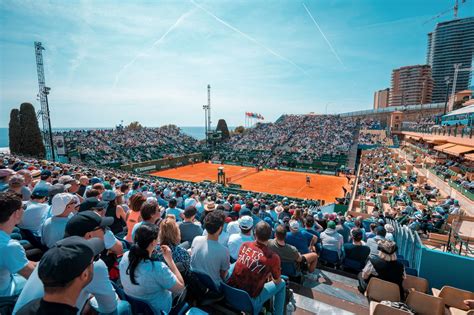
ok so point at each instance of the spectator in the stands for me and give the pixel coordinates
(245, 235)
(150, 213)
(289, 253)
(135, 202)
(389, 236)
(147, 279)
(258, 272)
(65, 270)
(170, 236)
(173, 210)
(454, 209)
(86, 224)
(303, 241)
(189, 228)
(371, 234)
(331, 240)
(206, 246)
(16, 185)
(5, 175)
(15, 268)
(46, 179)
(312, 227)
(384, 266)
(26, 189)
(356, 250)
(83, 183)
(114, 211)
(372, 243)
(36, 212)
(62, 206)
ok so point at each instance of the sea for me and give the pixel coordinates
(197, 132)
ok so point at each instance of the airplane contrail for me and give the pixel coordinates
(324, 36)
(155, 44)
(271, 51)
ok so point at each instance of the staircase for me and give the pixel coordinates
(326, 292)
(352, 157)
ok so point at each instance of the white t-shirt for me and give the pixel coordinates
(100, 287)
(154, 280)
(235, 241)
(12, 260)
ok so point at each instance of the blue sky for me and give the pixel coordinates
(151, 61)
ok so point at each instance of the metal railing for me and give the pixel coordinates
(450, 131)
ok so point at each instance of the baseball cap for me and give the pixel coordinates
(245, 212)
(67, 180)
(59, 203)
(294, 225)
(331, 225)
(56, 189)
(41, 191)
(237, 207)
(4, 172)
(108, 195)
(92, 203)
(95, 180)
(45, 174)
(67, 259)
(86, 221)
(246, 222)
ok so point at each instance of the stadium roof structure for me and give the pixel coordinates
(465, 110)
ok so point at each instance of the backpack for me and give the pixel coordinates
(399, 306)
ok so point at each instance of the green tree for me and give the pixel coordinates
(222, 127)
(134, 126)
(239, 130)
(30, 133)
(14, 136)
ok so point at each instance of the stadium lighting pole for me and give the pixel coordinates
(448, 81)
(205, 119)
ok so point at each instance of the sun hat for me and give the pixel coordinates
(246, 222)
(210, 206)
(4, 172)
(294, 225)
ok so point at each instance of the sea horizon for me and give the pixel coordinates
(197, 132)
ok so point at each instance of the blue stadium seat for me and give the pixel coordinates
(366, 225)
(411, 271)
(238, 299)
(290, 270)
(206, 281)
(353, 264)
(139, 307)
(329, 256)
(400, 256)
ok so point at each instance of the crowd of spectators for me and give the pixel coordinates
(387, 184)
(156, 237)
(297, 138)
(121, 145)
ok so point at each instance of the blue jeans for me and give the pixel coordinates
(271, 290)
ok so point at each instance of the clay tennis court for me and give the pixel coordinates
(292, 184)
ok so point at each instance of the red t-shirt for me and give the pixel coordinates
(255, 263)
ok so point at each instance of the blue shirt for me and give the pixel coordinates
(176, 212)
(12, 260)
(53, 230)
(300, 240)
(154, 280)
(34, 217)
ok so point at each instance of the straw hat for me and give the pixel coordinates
(210, 206)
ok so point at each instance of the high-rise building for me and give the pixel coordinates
(381, 98)
(411, 85)
(451, 42)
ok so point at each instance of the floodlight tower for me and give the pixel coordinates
(43, 96)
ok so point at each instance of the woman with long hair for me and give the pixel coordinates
(146, 278)
(115, 211)
(170, 236)
(133, 216)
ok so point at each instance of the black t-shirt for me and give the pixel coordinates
(356, 252)
(42, 307)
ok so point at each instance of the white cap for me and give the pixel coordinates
(246, 222)
(59, 203)
(294, 225)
